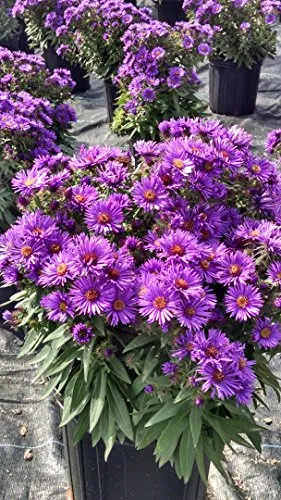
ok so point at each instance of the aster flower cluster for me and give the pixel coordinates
(166, 275)
(19, 71)
(89, 31)
(157, 77)
(244, 31)
(273, 142)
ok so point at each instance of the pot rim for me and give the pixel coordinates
(226, 63)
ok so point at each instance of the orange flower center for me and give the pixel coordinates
(150, 195)
(166, 179)
(160, 303)
(189, 346)
(118, 305)
(26, 251)
(61, 269)
(80, 198)
(63, 306)
(92, 295)
(37, 231)
(256, 169)
(235, 270)
(278, 276)
(218, 376)
(265, 333)
(242, 301)
(242, 363)
(90, 258)
(177, 250)
(189, 225)
(205, 264)
(211, 351)
(254, 233)
(114, 274)
(55, 248)
(204, 216)
(225, 155)
(29, 182)
(181, 283)
(190, 311)
(103, 218)
(205, 234)
(178, 163)
(208, 166)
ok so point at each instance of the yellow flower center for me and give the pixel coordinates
(265, 333)
(29, 182)
(63, 306)
(150, 195)
(177, 250)
(61, 269)
(178, 163)
(92, 295)
(160, 303)
(118, 305)
(242, 301)
(181, 283)
(103, 218)
(26, 251)
(235, 270)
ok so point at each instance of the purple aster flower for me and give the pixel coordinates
(184, 280)
(193, 313)
(245, 26)
(91, 295)
(267, 333)
(274, 272)
(148, 389)
(157, 303)
(204, 49)
(82, 334)
(169, 368)
(83, 196)
(178, 246)
(184, 345)
(113, 174)
(270, 18)
(236, 267)
(214, 346)
(38, 226)
(93, 253)
(60, 268)
(148, 95)
(104, 216)
(150, 194)
(243, 301)
(58, 305)
(122, 308)
(221, 378)
(29, 181)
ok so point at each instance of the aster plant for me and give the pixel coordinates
(151, 295)
(9, 27)
(273, 142)
(87, 32)
(157, 78)
(30, 123)
(244, 28)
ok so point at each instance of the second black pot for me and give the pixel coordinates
(127, 475)
(111, 96)
(233, 89)
(79, 76)
(18, 42)
(170, 11)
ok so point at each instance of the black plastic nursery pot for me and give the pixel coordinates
(127, 475)
(169, 11)
(53, 61)
(110, 96)
(233, 89)
(18, 42)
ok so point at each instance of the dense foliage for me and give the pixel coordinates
(244, 27)
(157, 78)
(153, 292)
(9, 27)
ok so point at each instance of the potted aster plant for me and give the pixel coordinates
(170, 11)
(244, 37)
(151, 298)
(9, 28)
(273, 142)
(157, 78)
(33, 122)
(44, 26)
(94, 31)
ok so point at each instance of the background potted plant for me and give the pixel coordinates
(43, 21)
(94, 32)
(153, 292)
(170, 11)
(34, 118)
(273, 142)
(157, 79)
(244, 37)
(9, 27)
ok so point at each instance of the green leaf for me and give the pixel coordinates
(98, 323)
(49, 359)
(169, 438)
(140, 341)
(185, 393)
(82, 426)
(109, 433)
(68, 399)
(120, 410)
(146, 436)
(51, 386)
(57, 333)
(31, 340)
(87, 355)
(64, 359)
(186, 454)
(200, 459)
(195, 420)
(151, 361)
(118, 369)
(80, 395)
(64, 376)
(98, 398)
(169, 410)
